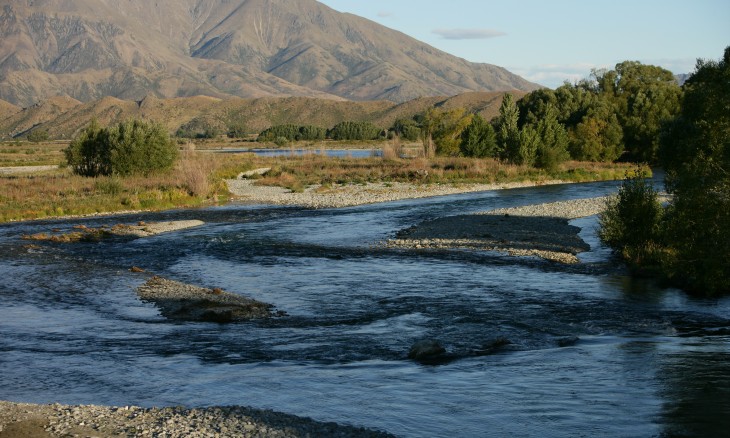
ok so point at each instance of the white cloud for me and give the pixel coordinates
(553, 75)
(468, 34)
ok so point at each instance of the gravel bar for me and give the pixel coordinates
(56, 420)
(347, 195)
(540, 230)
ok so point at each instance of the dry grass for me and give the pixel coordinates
(31, 154)
(198, 179)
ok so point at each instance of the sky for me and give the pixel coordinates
(551, 41)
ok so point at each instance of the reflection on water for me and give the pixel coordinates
(591, 351)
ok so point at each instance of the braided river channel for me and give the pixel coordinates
(591, 351)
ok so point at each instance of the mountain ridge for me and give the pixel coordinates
(88, 49)
(64, 117)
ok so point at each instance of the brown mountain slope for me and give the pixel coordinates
(222, 48)
(65, 117)
(7, 109)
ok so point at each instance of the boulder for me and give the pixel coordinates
(427, 351)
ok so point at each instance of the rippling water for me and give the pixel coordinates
(592, 352)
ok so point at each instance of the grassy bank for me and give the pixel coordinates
(296, 173)
(198, 180)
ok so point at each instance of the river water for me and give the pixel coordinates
(592, 352)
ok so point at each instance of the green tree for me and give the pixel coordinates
(444, 129)
(131, 147)
(645, 97)
(695, 151)
(598, 137)
(139, 147)
(311, 133)
(479, 139)
(631, 224)
(89, 153)
(552, 148)
(528, 142)
(508, 131)
(349, 130)
(407, 129)
(289, 132)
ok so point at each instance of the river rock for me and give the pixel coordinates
(185, 302)
(426, 351)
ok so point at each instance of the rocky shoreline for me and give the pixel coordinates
(540, 230)
(56, 420)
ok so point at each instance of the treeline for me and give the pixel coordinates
(346, 130)
(686, 242)
(615, 114)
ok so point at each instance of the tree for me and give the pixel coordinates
(479, 139)
(631, 224)
(89, 153)
(695, 151)
(444, 129)
(508, 131)
(139, 147)
(131, 147)
(354, 131)
(645, 97)
(552, 148)
(598, 137)
(407, 129)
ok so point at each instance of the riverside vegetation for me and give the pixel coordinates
(687, 243)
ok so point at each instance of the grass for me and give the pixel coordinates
(299, 172)
(198, 180)
(19, 153)
(61, 193)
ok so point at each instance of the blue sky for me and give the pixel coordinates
(550, 41)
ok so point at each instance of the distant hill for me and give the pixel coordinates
(89, 49)
(65, 117)
(682, 78)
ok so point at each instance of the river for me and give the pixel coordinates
(592, 352)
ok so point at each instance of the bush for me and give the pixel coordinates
(131, 147)
(354, 131)
(632, 222)
(38, 135)
(407, 129)
(289, 132)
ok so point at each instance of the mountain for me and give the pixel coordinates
(64, 117)
(88, 49)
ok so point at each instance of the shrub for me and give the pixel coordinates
(89, 153)
(132, 147)
(38, 135)
(407, 129)
(632, 222)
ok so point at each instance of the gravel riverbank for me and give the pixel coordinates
(347, 195)
(45, 421)
(534, 230)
